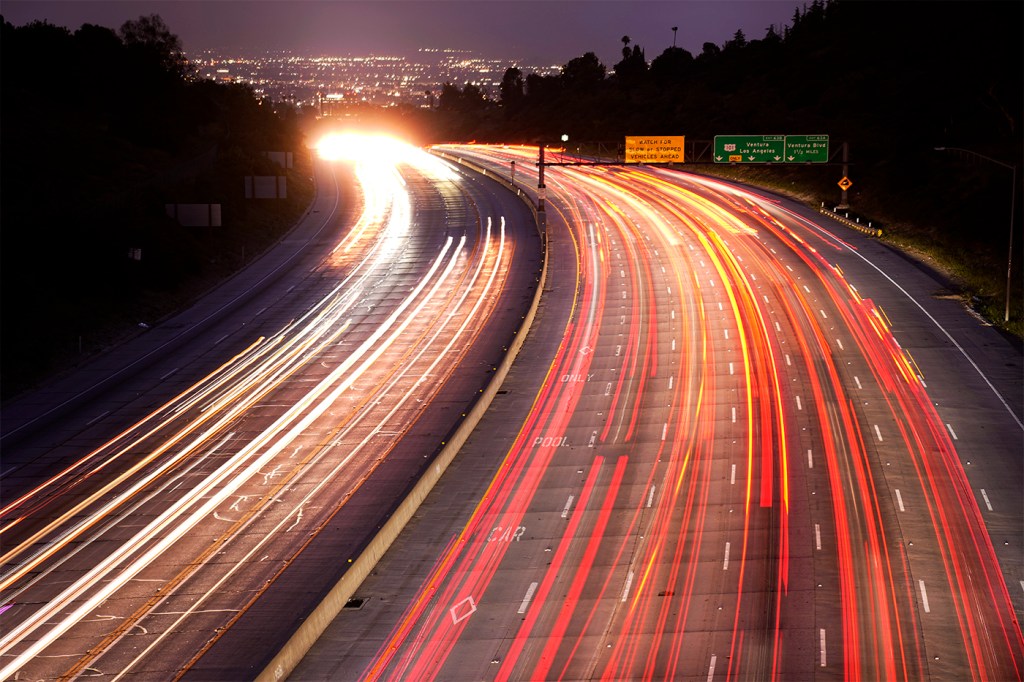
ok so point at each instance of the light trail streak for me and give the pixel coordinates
(462, 289)
(773, 311)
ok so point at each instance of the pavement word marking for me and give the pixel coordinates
(506, 534)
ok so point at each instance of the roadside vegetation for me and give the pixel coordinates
(894, 80)
(101, 130)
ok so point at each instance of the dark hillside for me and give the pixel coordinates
(100, 130)
(894, 80)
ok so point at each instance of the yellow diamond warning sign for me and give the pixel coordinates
(845, 183)
(654, 149)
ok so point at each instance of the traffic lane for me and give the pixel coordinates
(350, 642)
(324, 560)
(81, 488)
(80, 390)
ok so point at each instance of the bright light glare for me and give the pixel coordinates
(360, 147)
(381, 151)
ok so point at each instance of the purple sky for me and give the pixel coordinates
(546, 31)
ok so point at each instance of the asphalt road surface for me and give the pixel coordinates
(743, 442)
(179, 506)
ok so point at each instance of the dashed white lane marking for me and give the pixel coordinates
(169, 373)
(821, 638)
(788, 361)
(951, 431)
(840, 342)
(529, 595)
(568, 505)
(924, 597)
(625, 589)
(664, 431)
(725, 564)
(878, 432)
(984, 496)
(799, 405)
(732, 370)
(711, 668)
(99, 417)
(899, 500)
(670, 380)
(778, 328)
(732, 478)
(856, 380)
(823, 313)
(734, 415)
(726, 334)
(673, 344)
(817, 536)
(650, 497)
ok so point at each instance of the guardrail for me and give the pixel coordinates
(844, 218)
(360, 567)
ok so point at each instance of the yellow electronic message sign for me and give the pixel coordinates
(654, 149)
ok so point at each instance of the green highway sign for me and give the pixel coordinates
(806, 148)
(750, 148)
(771, 149)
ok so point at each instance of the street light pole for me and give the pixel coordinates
(1013, 208)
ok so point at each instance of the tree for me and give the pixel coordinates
(511, 89)
(671, 65)
(583, 72)
(149, 34)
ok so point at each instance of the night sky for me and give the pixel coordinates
(547, 32)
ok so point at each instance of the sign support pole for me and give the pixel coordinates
(846, 173)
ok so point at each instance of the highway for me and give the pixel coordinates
(144, 523)
(760, 446)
